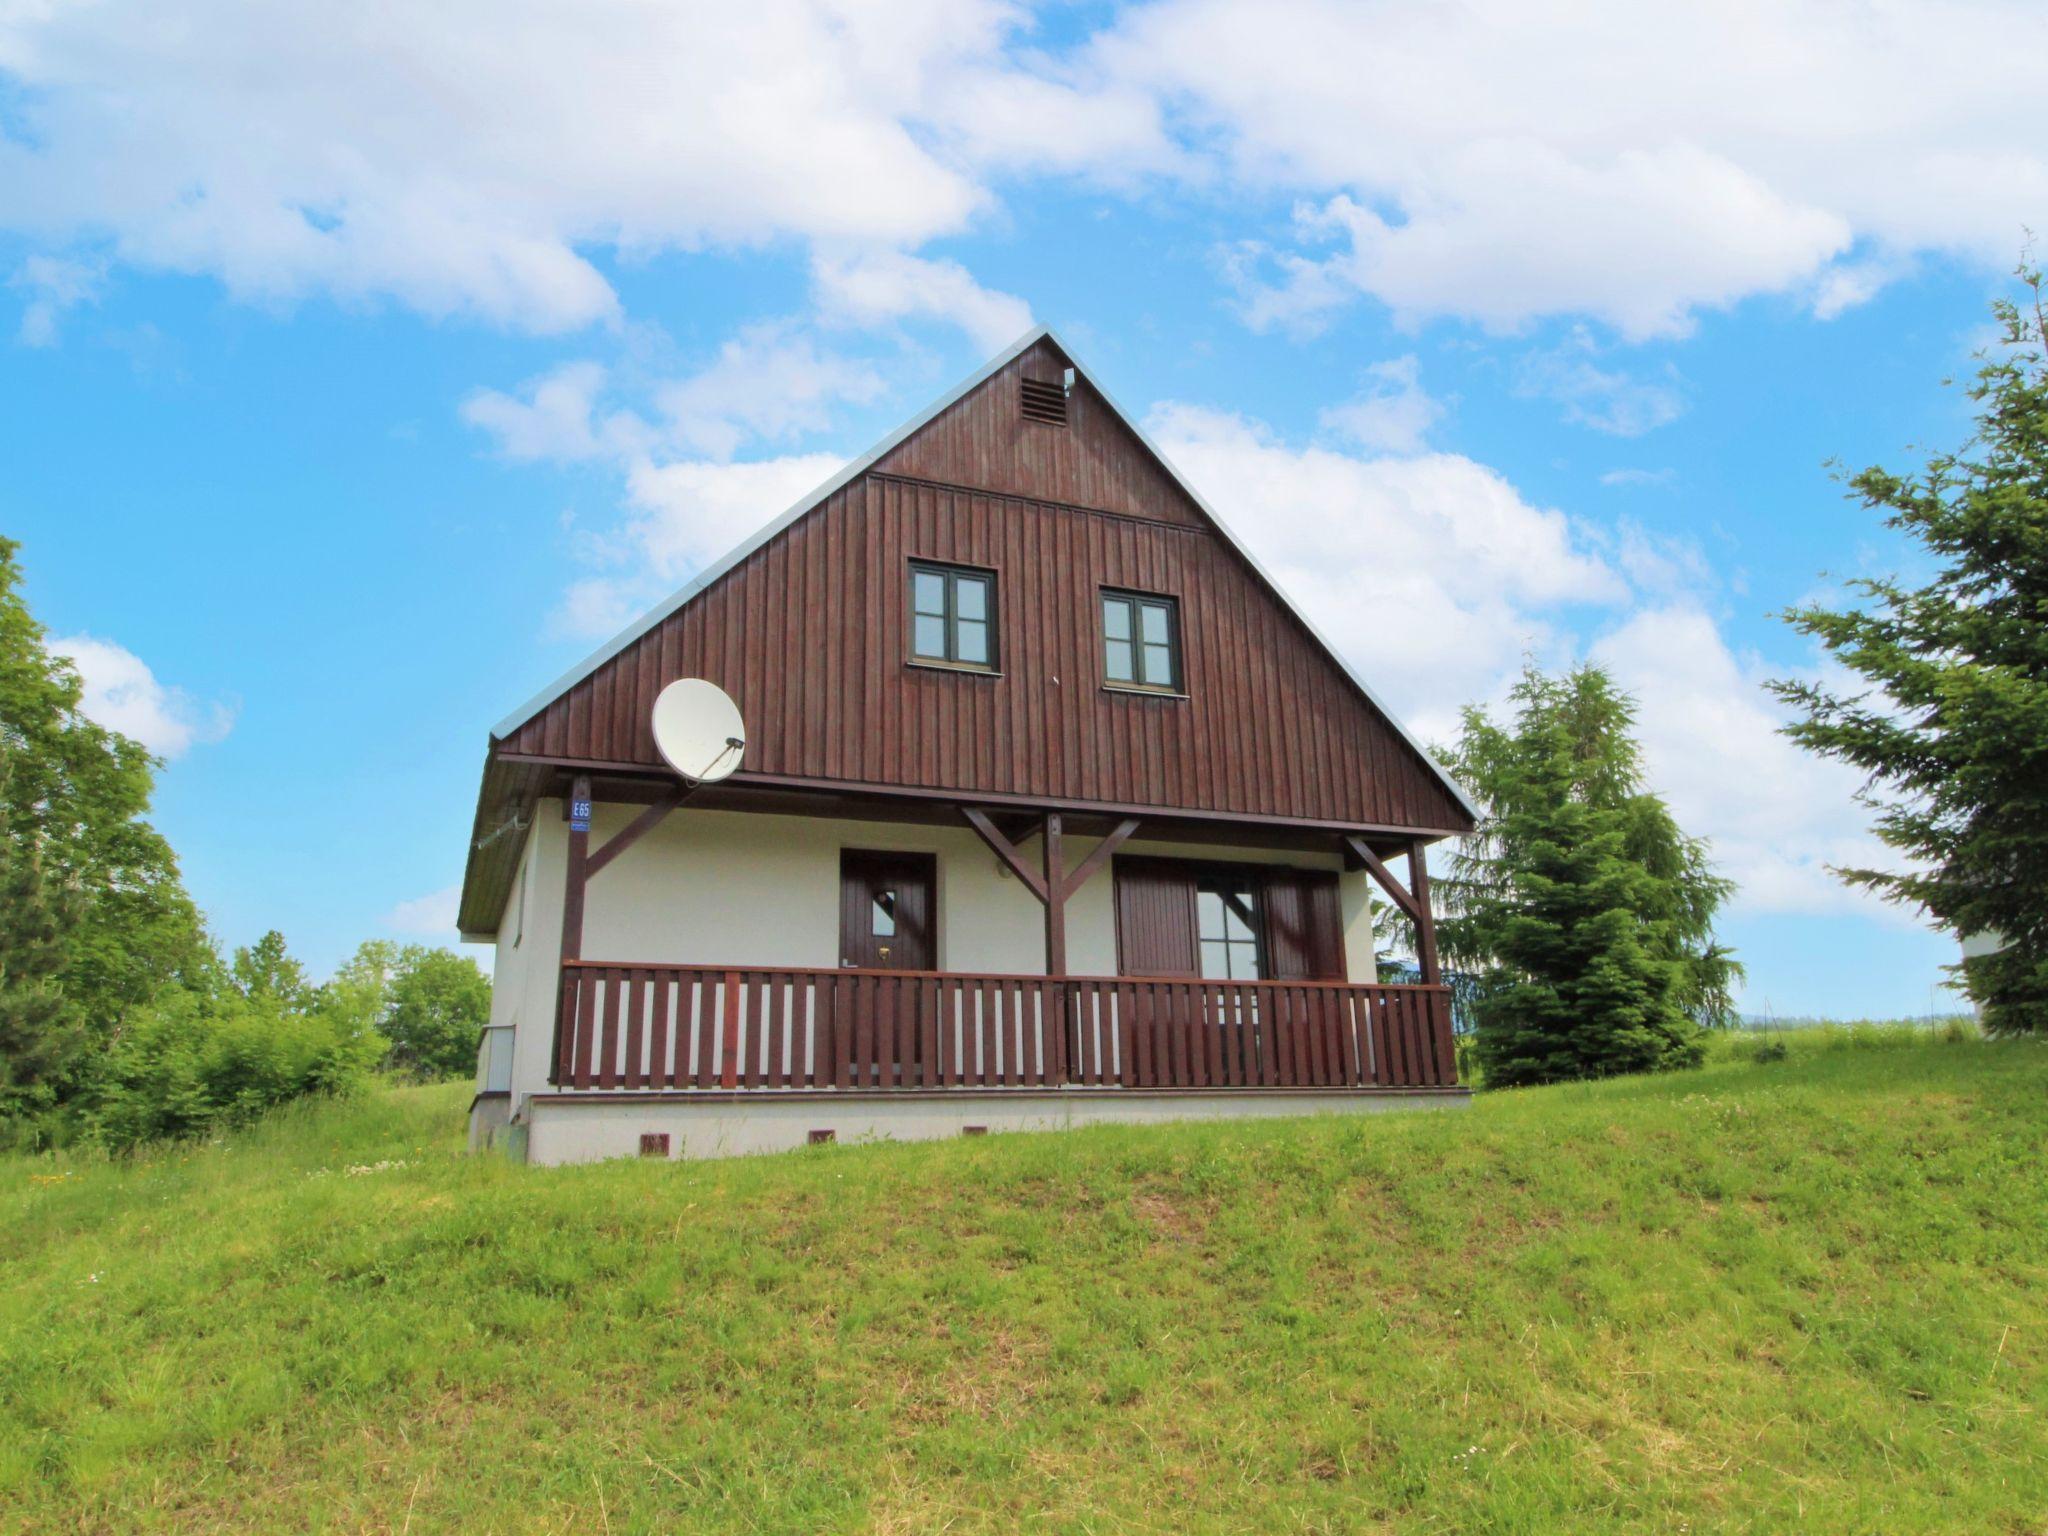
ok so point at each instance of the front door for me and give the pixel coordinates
(887, 914)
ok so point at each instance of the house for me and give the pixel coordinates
(1052, 810)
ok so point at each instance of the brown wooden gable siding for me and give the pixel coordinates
(810, 635)
(1095, 460)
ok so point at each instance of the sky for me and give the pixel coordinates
(363, 367)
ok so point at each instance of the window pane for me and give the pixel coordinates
(885, 915)
(1244, 962)
(1208, 915)
(970, 597)
(1215, 960)
(1237, 906)
(929, 592)
(931, 637)
(971, 642)
(1155, 623)
(1117, 661)
(1159, 666)
(1116, 618)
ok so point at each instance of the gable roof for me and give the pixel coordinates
(713, 573)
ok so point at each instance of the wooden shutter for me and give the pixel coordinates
(1304, 925)
(1155, 918)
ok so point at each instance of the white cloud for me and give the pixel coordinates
(681, 515)
(1426, 568)
(431, 916)
(1394, 415)
(554, 421)
(1503, 160)
(123, 694)
(1608, 400)
(1777, 815)
(53, 286)
(884, 286)
(463, 158)
(1638, 477)
(1497, 160)
(770, 383)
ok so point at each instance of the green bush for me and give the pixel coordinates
(187, 1064)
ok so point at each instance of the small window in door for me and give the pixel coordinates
(883, 921)
(1227, 928)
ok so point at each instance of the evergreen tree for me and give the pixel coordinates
(93, 917)
(1582, 910)
(1953, 729)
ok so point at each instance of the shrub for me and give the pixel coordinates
(186, 1064)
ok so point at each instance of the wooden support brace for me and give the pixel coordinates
(1100, 856)
(1394, 888)
(1006, 850)
(634, 830)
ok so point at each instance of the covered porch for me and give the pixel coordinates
(693, 989)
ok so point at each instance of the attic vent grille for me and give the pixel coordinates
(1044, 402)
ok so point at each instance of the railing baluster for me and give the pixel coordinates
(665, 1027)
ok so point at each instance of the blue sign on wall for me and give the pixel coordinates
(579, 815)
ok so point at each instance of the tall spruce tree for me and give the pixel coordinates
(1953, 729)
(93, 917)
(1582, 910)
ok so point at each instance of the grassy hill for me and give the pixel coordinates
(1809, 1293)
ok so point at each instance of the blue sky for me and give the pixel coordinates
(361, 374)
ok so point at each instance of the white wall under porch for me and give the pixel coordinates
(581, 1128)
(746, 889)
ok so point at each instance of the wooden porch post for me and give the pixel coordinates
(579, 869)
(567, 990)
(1425, 919)
(1055, 900)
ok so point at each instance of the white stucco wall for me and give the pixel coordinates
(733, 888)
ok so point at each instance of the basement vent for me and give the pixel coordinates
(1044, 402)
(654, 1144)
(821, 1138)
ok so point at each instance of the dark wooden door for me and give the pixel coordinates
(888, 912)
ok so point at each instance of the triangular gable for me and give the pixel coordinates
(1102, 461)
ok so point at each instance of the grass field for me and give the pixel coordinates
(1808, 1293)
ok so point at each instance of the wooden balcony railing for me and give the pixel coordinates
(688, 1026)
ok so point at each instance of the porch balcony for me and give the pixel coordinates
(701, 1030)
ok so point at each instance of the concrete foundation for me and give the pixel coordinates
(581, 1128)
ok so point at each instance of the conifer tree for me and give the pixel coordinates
(1583, 912)
(1953, 728)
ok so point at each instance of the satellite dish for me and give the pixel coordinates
(698, 730)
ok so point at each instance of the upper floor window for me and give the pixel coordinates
(1141, 641)
(953, 616)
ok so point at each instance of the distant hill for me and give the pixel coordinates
(1808, 1292)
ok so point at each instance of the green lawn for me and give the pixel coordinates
(1802, 1294)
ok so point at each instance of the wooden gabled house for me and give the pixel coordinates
(1052, 808)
